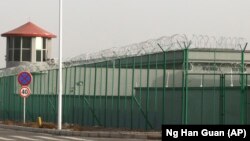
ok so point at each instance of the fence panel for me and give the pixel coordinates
(140, 92)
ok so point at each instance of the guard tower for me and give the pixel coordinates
(27, 44)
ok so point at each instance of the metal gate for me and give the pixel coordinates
(223, 100)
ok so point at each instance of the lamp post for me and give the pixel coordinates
(60, 69)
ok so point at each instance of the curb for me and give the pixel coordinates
(104, 134)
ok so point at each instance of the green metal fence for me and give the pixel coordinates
(138, 92)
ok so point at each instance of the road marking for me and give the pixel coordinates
(48, 138)
(24, 138)
(5, 139)
(73, 138)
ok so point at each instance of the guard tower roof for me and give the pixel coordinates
(29, 30)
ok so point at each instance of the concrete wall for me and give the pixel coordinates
(217, 56)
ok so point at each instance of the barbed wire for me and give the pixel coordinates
(167, 43)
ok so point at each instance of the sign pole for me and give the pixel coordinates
(24, 79)
(60, 69)
(24, 109)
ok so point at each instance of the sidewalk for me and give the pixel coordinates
(104, 134)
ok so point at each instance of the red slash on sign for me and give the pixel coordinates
(25, 91)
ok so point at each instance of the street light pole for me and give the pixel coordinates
(60, 69)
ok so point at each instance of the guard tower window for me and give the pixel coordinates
(38, 55)
(10, 55)
(16, 55)
(17, 42)
(26, 43)
(44, 43)
(17, 48)
(41, 50)
(26, 49)
(44, 55)
(10, 48)
(44, 49)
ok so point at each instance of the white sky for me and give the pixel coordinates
(93, 25)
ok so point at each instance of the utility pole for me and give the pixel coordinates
(60, 69)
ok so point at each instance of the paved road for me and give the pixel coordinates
(13, 135)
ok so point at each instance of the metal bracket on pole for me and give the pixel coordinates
(160, 47)
(245, 47)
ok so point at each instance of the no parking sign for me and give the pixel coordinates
(24, 78)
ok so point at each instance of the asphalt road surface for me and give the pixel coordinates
(14, 135)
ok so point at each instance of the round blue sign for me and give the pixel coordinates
(24, 78)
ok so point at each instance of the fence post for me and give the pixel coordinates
(132, 104)
(202, 97)
(147, 99)
(173, 88)
(118, 103)
(112, 91)
(40, 95)
(222, 99)
(164, 84)
(184, 88)
(185, 85)
(100, 87)
(56, 101)
(65, 99)
(84, 92)
(243, 94)
(93, 122)
(48, 94)
(126, 92)
(214, 85)
(156, 90)
(74, 97)
(106, 93)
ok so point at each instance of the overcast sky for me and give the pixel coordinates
(93, 25)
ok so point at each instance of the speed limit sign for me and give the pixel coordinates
(25, 91)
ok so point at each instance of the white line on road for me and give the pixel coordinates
(24, 138)
(6, 139)
(73, 138)
(48, 138)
